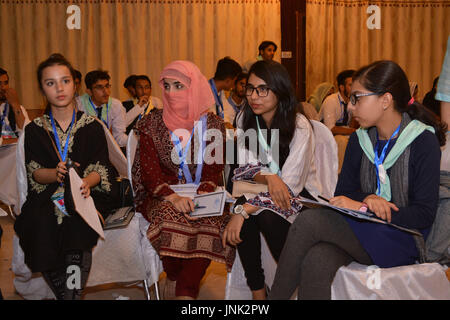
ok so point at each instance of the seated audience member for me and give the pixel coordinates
(319, 94)
(185, 245)
(146, 102)
(12, 115)
(272, 107)
(266, 52)
(53, 236)
(391, 168)
(78, 79)
(237, 96)
(430, 102)
(310, 111)
(227, 71)
(334, 111)
(129, 85)
(98, 103)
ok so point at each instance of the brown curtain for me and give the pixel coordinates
(130, 37)
(413, 33)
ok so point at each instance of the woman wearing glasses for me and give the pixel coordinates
(282, 131)
(391, 167)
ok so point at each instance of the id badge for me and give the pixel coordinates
(58, 200)
(382, 173)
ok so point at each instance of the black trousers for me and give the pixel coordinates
(59, 280)
(274, 229)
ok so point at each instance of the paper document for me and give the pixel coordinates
(369, 216)
(209, 205)
(84, 206)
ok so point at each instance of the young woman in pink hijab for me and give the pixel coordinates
(186, 246)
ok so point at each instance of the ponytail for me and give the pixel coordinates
(419, 112)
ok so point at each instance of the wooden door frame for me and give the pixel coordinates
(293, 43)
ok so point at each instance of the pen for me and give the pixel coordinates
(199, 207)
(325, 199)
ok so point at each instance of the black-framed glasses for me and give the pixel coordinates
(261, 91)
(354, 97)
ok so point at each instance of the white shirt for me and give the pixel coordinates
(116, 119)
(299, 171)
(6, 120)
(137, 110)
(228, 110)
(332, 110)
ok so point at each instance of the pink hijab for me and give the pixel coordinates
(181, 109)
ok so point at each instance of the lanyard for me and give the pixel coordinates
(101, 117)
(344, 112)
(235, 107)
(55, 134)
(273, 166)
(183, 168)
(379, 159)
(219, 104)
(147, 110)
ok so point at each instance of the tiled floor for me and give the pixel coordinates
(212, 286)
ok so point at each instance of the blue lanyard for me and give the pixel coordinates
(219, 104)
(183, 167)
(55, 134)
(341, 104)
(107, 112)
(379, 159)
(235, 107)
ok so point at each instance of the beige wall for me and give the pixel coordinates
(413, 33)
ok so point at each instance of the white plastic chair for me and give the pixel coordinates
(124, 256)
(426, 281)
(156, 264)
(326, 159)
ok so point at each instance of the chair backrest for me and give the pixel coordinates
(116, 156)
(132, 143)
(22, 185)
(326, 158)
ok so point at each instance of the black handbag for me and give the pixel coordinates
(122, 193)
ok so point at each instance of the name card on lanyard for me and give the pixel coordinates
(183, 168)
(105, 121)
(379, 159)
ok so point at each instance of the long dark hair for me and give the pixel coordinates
(54, 59)
(385, 76)
(278, 80)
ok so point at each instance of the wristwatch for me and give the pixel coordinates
(239, 209)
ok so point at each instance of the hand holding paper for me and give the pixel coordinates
(84, 206)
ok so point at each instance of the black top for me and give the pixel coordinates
(424, 170)
(44, 240)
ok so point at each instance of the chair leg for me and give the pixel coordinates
(147, 292)
(157, 291)
(11, 212)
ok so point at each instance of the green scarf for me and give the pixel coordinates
(407, 136)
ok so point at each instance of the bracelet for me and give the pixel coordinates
(364, 207)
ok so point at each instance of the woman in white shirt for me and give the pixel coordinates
(288, 170)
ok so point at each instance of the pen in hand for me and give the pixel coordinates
(324, 199)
